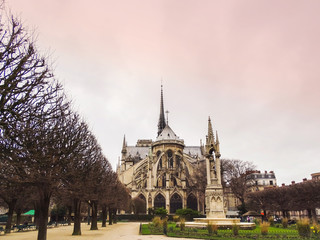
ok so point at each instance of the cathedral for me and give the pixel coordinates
(165, 172)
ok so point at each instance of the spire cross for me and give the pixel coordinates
(167, 112)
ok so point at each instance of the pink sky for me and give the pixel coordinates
(253, 66)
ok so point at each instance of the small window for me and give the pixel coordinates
(271, 182)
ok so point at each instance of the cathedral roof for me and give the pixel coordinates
(141, 152)
(168, 134)
(193, 151)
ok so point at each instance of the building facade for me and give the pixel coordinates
(261, 180)
(165, 172)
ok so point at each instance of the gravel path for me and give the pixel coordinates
(122, 231)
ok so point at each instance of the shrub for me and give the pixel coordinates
(150, 211)
(212, 228)
(182, 224)
(257, 221)
(303, 227)
(264, 227)
(277, 225)
(315, 229)
(161, 212)
(187, 213)
(284, 222)
(271, 221)
(235, 229)
(157, 221)
(176, 218)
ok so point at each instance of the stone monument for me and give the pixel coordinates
(215, 208)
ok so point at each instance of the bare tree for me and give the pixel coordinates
(198, 183)
(234, 175)
(259, 201)
(24, 73)
(305, 196)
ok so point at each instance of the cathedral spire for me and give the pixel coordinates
(210, 144)
(217, 141)
(162, 120)
(124, 145)
(210, 133)
(217, 146)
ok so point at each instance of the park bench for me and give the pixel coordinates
(21, 227)
(51, 224)
(63, 223)
(31, 226)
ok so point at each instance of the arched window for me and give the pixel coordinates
(164, 181)
(192, 202)
(159, 201)
(178, 160)
(160, 161)
(158, 154)
(161, 182)
(170, 158)
(160, 164)
(175, 203)
(173, 181)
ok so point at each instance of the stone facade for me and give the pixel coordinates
(163, 172)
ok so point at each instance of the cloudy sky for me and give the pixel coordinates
(253, 66)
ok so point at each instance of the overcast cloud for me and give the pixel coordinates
(253, 66)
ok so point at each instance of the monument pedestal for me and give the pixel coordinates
(214, 201)
(222, 223)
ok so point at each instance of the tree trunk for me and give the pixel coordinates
(89, 214)
(314, 215)
(309, 214)
(114, 219)
(264, 217)
(94, 221)
(18, 212)
(57, 217)
(11, 206)
(110, 216)
(36, 215)
(43, 214)
(104, 216)
(69, 215)
(77, 217)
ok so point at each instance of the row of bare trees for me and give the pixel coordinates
(302, 196)
(296, 197)
(47, 152)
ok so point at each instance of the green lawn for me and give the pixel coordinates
(173, 231)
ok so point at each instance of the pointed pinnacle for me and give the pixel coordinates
(217, 141)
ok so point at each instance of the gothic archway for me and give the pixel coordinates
(192, 202)
(141, 196)
(159, 201)
(175, 202)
